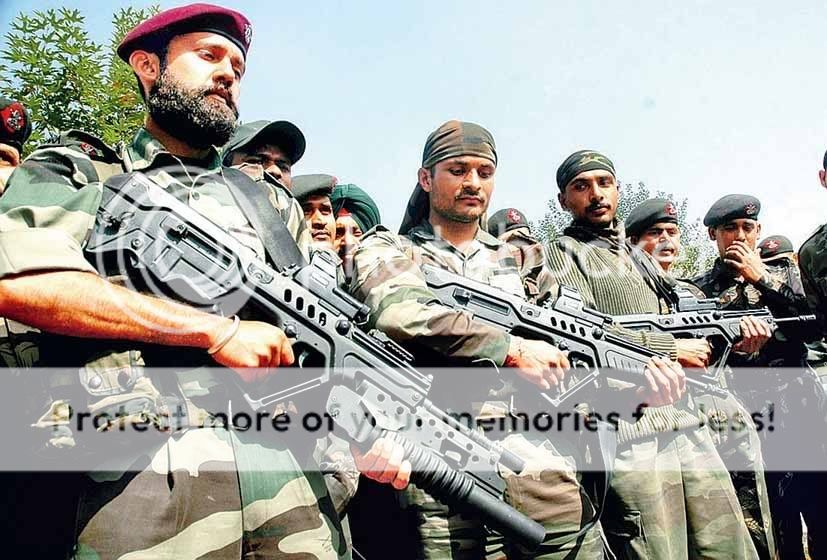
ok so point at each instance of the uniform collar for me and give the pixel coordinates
(425, 232)
(145, 148)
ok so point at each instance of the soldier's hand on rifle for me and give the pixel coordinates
(537, 361)
(252, 348)
(745, 261)
(754, 335)
(384, 463)
(693, 352)
(666, 382)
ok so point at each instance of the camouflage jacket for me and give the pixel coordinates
(48, 210)
(780, 291)
(532, 262)
(812, 260)
(387, 278)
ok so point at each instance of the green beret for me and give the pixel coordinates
(732, 207)
(775, 247)
(318, 183)
(283, 134)
(649, 212)
(359, 203)
(580, 161)
(505, 220)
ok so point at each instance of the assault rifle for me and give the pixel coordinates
(703, 318)
(150, 236)
(583, 333)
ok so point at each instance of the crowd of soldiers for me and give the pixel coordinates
(679, 488)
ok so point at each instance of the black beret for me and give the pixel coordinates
(775, 247)
(732, 207)
(649, 212)
(505, 220)
(189, 19)
(317, 183)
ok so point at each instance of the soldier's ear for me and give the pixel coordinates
(424, 177)
(147, 66)
(561, 198)
(712, 233)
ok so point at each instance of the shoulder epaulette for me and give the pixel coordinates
(88, 144)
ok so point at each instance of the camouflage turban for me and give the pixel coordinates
(580, 161)
(452, 139)
(359, 203)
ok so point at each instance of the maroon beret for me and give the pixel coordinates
(189, 19)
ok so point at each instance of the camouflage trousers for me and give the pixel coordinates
(739, 445)
(547, 491)
(672, 498)
(209, 493)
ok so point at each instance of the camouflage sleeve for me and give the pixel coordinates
(339, 468)
(783, 292)
(540, 285)
(298, 227)
(47, 211)
(404, 308)
(814, 279)
(565, 270)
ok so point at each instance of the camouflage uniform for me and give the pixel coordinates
(200, 491)
(531, 260)
(739, 446)
(671, 496)
(387, 278)
(798, 403)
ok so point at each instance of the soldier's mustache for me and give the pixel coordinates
(224, 93)
(598, 206)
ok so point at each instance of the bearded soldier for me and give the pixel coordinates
(201, 490)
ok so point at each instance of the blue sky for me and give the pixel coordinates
(699, 99)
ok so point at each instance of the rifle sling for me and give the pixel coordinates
(281, 248)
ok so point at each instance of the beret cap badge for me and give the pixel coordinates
(514, 216)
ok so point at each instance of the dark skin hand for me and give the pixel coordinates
(666, 382)
(537, 361)
(693, 353)
(384, 462)
(754, 335)
(745, 262)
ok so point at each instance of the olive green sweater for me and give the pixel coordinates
(598, 264)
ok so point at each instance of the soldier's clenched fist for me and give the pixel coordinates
(537, 361)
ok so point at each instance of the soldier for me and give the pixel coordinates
(740, 280)
(200, 490)
(15, 129)
(814, 265)
(313, 193)
(267, 151)
(356, 214)
(509, 225)
(441, 228)
(671, 496)
(653, 227)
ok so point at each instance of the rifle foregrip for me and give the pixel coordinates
(456, 489)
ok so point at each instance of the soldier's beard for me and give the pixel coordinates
(188, 115)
